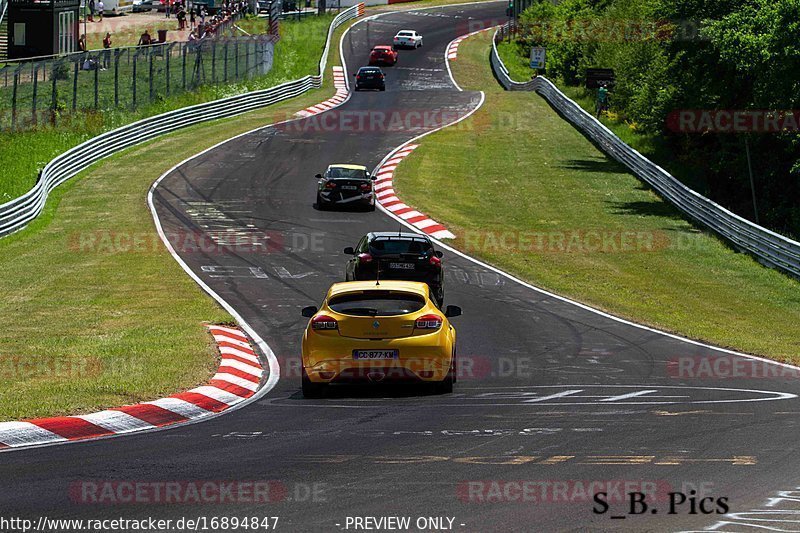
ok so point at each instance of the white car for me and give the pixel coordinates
(407, 39)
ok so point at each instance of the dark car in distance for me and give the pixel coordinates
(397, 255)
(370, 78)
(345, 185)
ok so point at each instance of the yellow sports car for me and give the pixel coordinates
(378, 331)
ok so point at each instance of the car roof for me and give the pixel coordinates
(397, 235)
(369, 68)
(350, 167)
(406, 31)
(345, 287)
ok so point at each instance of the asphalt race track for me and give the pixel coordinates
(548, 391)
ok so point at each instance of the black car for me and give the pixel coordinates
(397, 255)
(370, 78)
(346, 185)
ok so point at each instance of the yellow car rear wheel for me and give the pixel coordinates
(446, 385)
(311, 389)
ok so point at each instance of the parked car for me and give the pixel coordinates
(397, 255)
(382, 55)
(407, 39)
(370, 78)
(142, 6)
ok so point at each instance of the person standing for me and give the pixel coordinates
(602, 99)
(181, 16)
(91, 10)
(168, 8)
(101, 7)
(107, 51)
(192, 19)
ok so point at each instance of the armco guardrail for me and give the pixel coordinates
(17, 213)
(766, 246)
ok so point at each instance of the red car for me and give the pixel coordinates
(382, 55)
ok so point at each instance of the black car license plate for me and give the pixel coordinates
(401, 266)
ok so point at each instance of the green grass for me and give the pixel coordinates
(88, 328)
(655, 147)
(516, 172)
(296, 55)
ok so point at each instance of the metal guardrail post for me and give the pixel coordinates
(75, 69)
(35, 93)
(133, 79)
(150, 73)
(169, 55)
(225, 63)
(117, 55)
(183, 65)
(213, 63)
(97, 86)
(14, 98)
(54, 91)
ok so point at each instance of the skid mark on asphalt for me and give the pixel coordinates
(557, 395)
(780, 512)
(546, 459)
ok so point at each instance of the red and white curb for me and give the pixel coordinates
(384, 192)
(238, 378)
(340, 84)
(452, 48)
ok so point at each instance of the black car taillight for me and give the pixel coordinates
(364, 258)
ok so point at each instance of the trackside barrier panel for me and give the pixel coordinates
(769, 248)
(17, 213)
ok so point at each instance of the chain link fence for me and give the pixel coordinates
(41, 92)
(14, 215)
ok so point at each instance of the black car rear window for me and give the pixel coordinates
(370, 71)
(400, 246)
(351, 173)
(377, 303)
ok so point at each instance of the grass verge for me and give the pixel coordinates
(528, 193)
(88, 328)
(652, 146)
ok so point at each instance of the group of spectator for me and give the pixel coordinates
(210, 26)
(92, 63)
(201, 26)
(98, 8)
